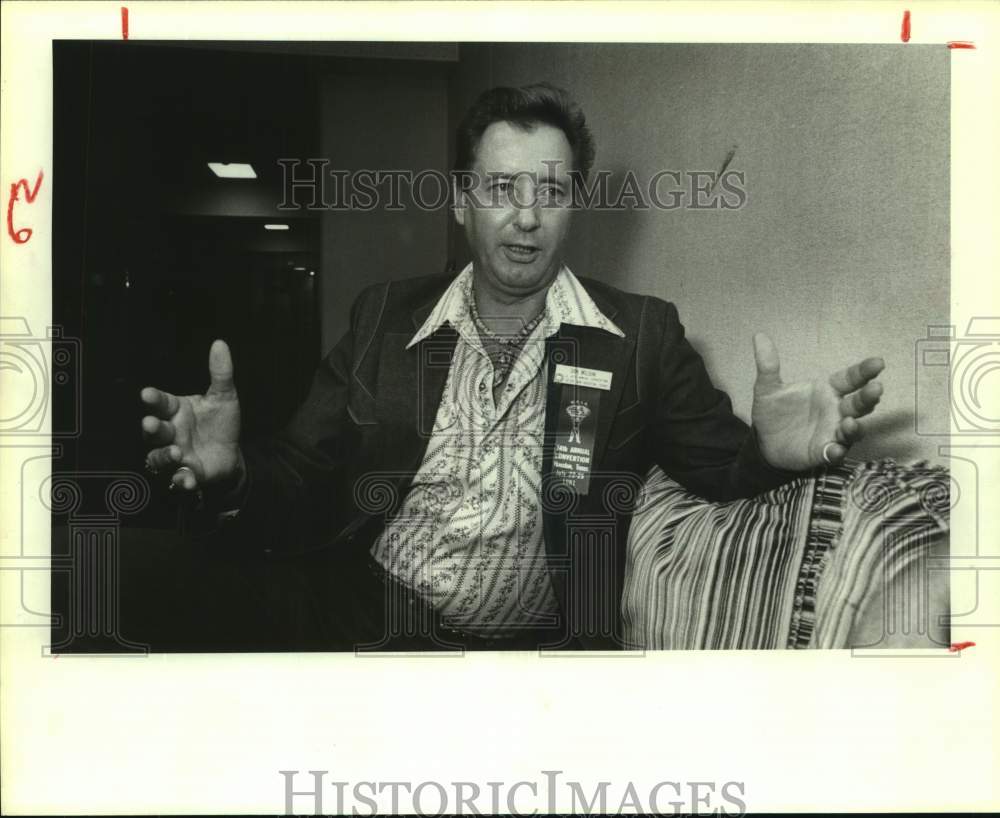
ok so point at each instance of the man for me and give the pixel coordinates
(467, 459)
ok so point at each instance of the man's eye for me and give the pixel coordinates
(550, 193)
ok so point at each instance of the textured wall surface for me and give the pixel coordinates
(841, 250)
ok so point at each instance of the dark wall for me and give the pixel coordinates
(154, 257)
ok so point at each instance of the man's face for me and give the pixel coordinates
(517, 215)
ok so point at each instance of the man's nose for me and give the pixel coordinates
(527, 215)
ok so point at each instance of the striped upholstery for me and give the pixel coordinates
(788, 569)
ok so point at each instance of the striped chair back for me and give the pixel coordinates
(792, 568)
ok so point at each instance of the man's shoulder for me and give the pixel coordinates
(635, 308)
(597, 287)
(408, 293)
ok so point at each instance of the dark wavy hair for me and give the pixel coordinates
(525, 107)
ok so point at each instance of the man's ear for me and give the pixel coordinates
(459, 201)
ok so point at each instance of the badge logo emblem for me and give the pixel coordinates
(578, 411)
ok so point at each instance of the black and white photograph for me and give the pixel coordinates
(498, 408)
(445, 346)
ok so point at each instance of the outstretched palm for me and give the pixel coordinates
(197, 435)
(797, 423)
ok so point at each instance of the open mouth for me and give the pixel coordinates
(521, 253)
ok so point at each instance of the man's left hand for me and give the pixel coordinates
(810, 423)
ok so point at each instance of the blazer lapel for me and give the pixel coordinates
(409, 388)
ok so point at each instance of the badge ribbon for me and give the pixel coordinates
(576, 427)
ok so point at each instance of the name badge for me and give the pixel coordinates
(581, 376)
(576, 427)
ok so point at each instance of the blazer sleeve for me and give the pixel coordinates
(697, 438)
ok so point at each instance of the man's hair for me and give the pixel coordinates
(525, 107)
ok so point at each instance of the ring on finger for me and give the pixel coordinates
(826, 457)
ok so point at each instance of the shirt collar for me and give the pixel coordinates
(566, 302)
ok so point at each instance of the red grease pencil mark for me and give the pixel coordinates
(905, 33)
(960, 646)
(124, 22)
(960, 44)
(22, 235)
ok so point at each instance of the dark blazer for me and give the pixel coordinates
(339, 470)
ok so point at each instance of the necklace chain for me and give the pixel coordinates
(502, 349)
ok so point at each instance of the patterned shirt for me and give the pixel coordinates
(468, 535)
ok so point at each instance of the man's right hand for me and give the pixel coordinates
(196, 437)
